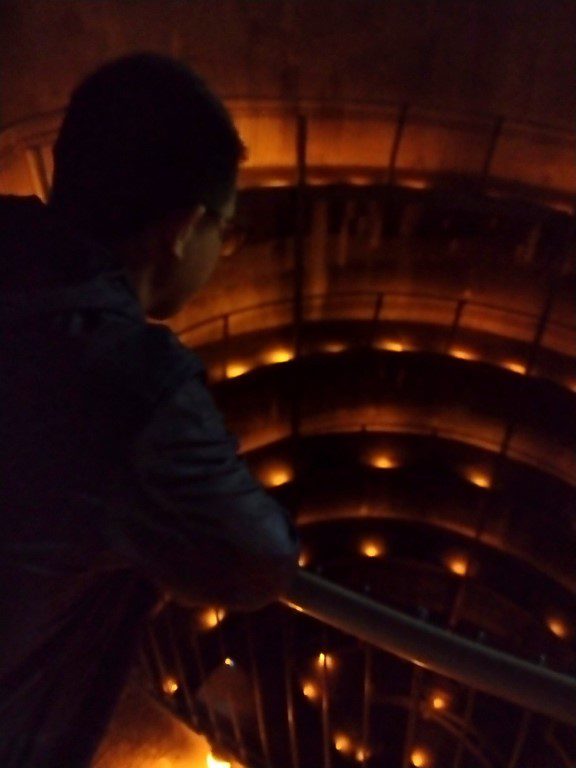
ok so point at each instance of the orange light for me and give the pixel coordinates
(303, 560)
(415, 183)
(276, 183)
(359, 180)
(215, 762)
(229, 662)
(382, 461)
(211, 617)
(170, 686)
(362, 755)
(372, 548)
(310, 690)
(280, 355)
(458, 565)
(236, 369)
(462, 354)
(481, 479)
(439, 701)
(390, 346)
(557, 627)
(420, 758)
(325, 660)
(333, 347)
(277, 476)
(342, 742)
(514, 366)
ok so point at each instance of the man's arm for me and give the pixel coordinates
(194, 521)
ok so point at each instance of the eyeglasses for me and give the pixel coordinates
(232, 234)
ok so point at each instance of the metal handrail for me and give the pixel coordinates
(486, 669)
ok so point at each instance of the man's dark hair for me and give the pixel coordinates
(142, 138)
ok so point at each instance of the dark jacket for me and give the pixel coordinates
(118, 482)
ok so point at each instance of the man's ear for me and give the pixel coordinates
(182, 230)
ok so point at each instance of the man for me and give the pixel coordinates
(119, 481)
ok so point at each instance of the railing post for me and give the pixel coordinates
(491, 151)
(400, 125)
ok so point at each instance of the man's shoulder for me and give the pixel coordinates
(144, 360)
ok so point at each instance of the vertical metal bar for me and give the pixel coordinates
(412, 715)
(491, 150)
(458, 311)
(238, 736)
(299, 256)
(288, 638)
(520, 739)
(367, 698)
(326, 744)
(471, 700)
(180, 672)
(394, 151)
(203, 678)
(257, 692)
(376, 318)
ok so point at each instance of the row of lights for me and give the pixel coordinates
(284, 354)
(280, 473)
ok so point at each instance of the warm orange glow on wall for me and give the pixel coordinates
(514, 366)
(481, 479)
(211, 617)
(170, 685)
(279, 355)
(236, 369)
(310, 690)
(439, 701)
(277, 475)
(458, 564)
(342, 743)
(372, 548)
(325, 660)
(333, 347)
(390, 346)
(362, 755)
(420, 758)
(463, 354)
(383, 461)
(557, 627)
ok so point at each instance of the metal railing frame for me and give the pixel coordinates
(485, 669)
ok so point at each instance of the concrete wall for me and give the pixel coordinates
(515, 57)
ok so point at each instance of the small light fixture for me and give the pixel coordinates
(170, 686)
(390, 346)
(462, 354)
(420, 758)
(325, 660)
(439, 701)
(557, 627)
(342, 743)
(310, 690)
(278, 475)
(233, 370)
(383, 461)
(211, 617)
(372, 548)
(479, 478)
(362, 755)
(514, 366)
(303, 560)
(458, 564)
(279, 355)
(333, 347)
(229, 662)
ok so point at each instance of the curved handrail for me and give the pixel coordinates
(498, 674)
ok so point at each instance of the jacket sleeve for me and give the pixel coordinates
(195, 522)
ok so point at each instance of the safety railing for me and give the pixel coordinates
(268, 689)
(353, 142)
